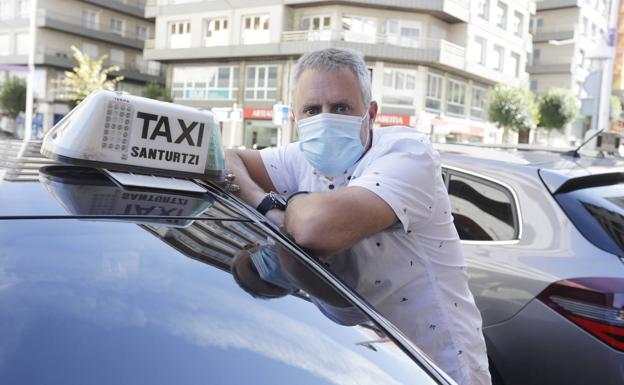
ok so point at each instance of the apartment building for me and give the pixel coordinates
(116, 28)
(618, 64)
(566, 34)
(431, 62)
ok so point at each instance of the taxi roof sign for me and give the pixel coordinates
(134, 134)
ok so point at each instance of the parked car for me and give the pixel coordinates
(104, 284)
(543, 235)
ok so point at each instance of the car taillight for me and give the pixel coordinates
(594, 304)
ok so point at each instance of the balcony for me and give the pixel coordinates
(134, 8)
(556, 32)
(452, 11)
(74, 25)
(544, 5)
(62, 58)
(538, 68)
(434, 51)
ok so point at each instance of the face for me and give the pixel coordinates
(336, 92)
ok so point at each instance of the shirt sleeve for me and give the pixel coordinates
(279, 162)
(406, 181)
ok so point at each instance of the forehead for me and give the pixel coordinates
(318, 87)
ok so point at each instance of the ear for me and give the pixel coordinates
(373, 108)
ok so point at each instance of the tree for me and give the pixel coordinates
(87, 77)
(155, 90)
(557, 108)
(512, 107)
(13, 96)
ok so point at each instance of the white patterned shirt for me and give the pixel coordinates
(413, 273)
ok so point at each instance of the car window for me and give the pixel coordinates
(598, 213)
(482, 210)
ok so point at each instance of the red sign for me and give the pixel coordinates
(392, 120)
(258, 113)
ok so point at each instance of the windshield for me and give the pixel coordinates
(598, 213)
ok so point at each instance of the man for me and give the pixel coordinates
(371, 202)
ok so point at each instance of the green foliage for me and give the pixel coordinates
(13, 96)
(616, 108)
(87, 77)
(155, 90)
(512, 107)
(557, 108)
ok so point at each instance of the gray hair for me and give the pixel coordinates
(332, 59)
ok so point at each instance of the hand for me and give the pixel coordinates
(276, 216)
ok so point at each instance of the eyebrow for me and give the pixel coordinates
(333, 104)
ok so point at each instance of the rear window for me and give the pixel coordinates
(598, 213)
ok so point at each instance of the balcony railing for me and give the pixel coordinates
(78, 21)
(64, 58)
(379, 38)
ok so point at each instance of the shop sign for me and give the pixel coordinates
(392, 120)
(258, 113)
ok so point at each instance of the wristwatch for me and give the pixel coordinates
(271, 201)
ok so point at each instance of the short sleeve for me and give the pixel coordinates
(279, 163)
(406, 181)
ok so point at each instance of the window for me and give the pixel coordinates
(479, 49)
(23, 8)
(4, 44)
(90, 49)
(359, 29)
(518, 21)
(256, 29)
(477, 105)
(585, 26)
(536, 56)
(515, 64)
(22, 43)
(433, 101)
(5, 9)
(534, 85)
(482, 210)
(456, 97)
(205, 83)
(318, 27)
(117, 26)
(501, 15)
(180, 34)
(141, 32)
(403, 33)
(594, 31)
(537, 23)
(484, 9)
(498, 57)
(261, 83)
(117, 57)
(90, 19)
(399, 87)
(216, 32)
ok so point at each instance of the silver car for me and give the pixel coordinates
(543, 235)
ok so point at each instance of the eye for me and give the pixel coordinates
(309, 111)
(342, 109)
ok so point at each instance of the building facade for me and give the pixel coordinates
(116, 28)
(431, 62)
(566, 35)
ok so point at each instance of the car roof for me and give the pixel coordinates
(34, 189)
(554, 166)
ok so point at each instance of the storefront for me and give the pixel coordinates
(259, 131)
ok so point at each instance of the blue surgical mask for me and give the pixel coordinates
(331, 142)
(269, 268)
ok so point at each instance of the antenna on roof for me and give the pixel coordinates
(575, 153)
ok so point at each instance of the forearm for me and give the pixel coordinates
(250, 192)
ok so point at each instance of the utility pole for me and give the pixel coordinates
(606, 86)
(30, 80)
